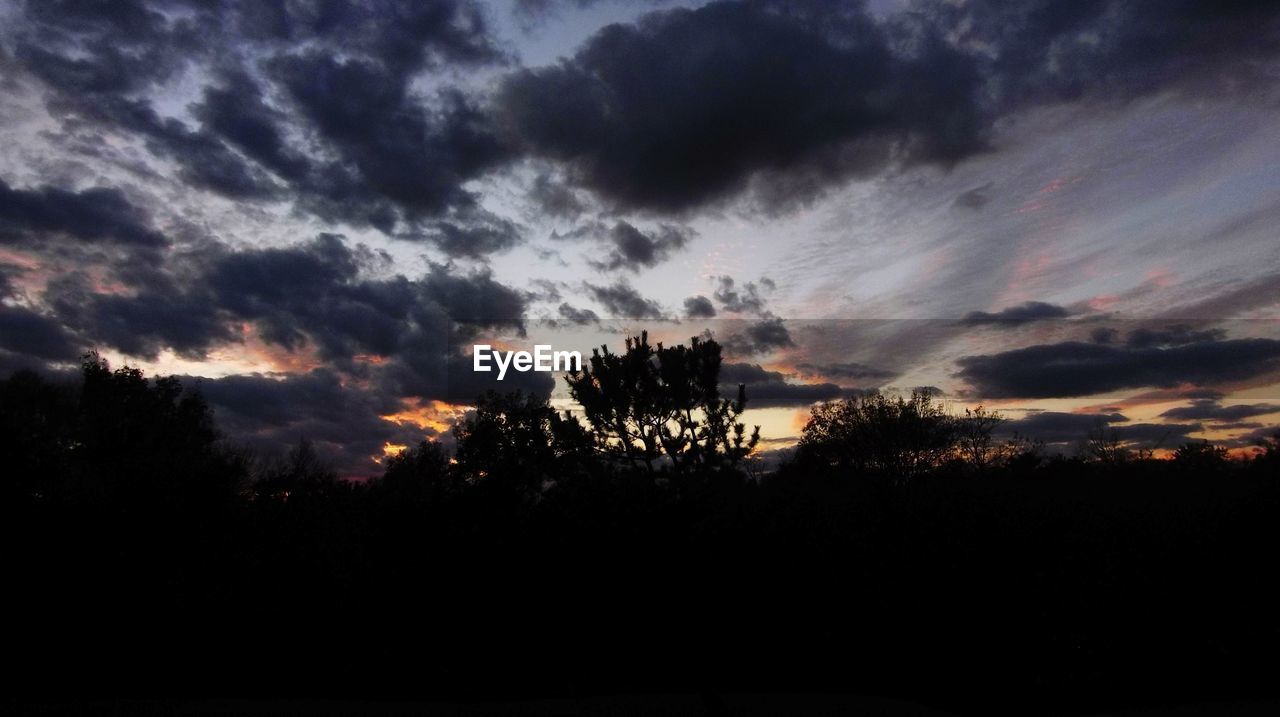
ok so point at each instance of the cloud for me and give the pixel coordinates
(1082, 369)
(1212, 410)
(1043, 51)
(1057, 427)
(975, 198)
(633, 249)
(836, 95)
(314, 298)
(577, 316)
(746, 300)
(401, 151)
(840, 94)
(624, 302)
(762, 337)
(1178, 335)
(99, 214)
(474, 298)
(271, 414)
(1029, 312)
(699, 307)
(33, 335)
(554, 200)
(848, 371)
(347, 139)
(1074, 429)
(767, 389)
(484, 234)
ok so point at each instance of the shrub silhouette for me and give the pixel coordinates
(1200, 456)
(518, 440)
(116, 438)
(130, 524)
(419, 474)
(301, 474)
(899, 437)
(649, 404)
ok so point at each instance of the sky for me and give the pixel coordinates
(1067, 211)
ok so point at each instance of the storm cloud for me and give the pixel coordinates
(1016, 315)
(767, 388)
(836, 95)
(1082, 369)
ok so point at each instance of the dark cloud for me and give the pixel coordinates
(314, 296)
(840, 94)
(1082, 369)
(1104, 335)
(1178, 335)
(633, 249)
(8, 272)
(413, 155)
(403, 34)
(1016, 315)
(475, 298)
(975, 198)
(578, 316)
(272, 414)
(482, 235)
(145, 323)
(699, 307)
(35, 336)
(203, 160)
(1236, 426)
(1157, 435)
(1075, 429)
(835, 95)
(1212, 410)
(847, 371)
(1054, 427)
(745, 301)
(1043, 50)
(762, 337)
(553, 199)
(767, 389)
(237, 111)
(100, 214)
(375, 151)
(624, 302)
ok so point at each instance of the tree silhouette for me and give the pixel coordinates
(114, 438)
(302, 473)
(649, 403)
(900, 437)
(1200, 457)
(974, 440)
(518, 440)
(419, 474)
(37, 430)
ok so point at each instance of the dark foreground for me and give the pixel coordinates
(1025, 594)
(149, 569)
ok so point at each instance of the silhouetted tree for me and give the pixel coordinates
(1267, 461)
(419, 474)
(652, 403)
(900, 437)
(974, 440)
(301, 474)
(518, 440)
(38, 422)
(117, 437)
(1200, 457)
(1103, 446)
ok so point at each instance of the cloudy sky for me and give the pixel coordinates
(1066, 210)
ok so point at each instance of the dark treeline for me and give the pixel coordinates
(903, 552)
